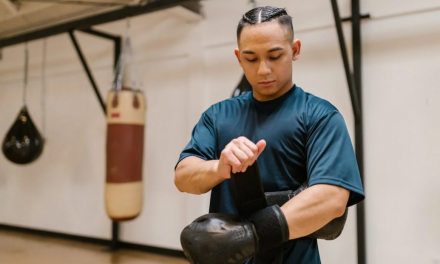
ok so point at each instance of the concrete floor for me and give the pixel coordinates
(19, 248)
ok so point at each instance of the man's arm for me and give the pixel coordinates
(313, 208)
(197, 176)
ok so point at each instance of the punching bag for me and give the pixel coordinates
(125, 146)
(126, 111)
(243, 86)
(23, 143)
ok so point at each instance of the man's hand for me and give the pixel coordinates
(197, 176)
(239, 154)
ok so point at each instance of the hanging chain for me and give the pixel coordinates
(119, 71)
(43, 88)
(134, 79)
(130, 56)
(26, 66)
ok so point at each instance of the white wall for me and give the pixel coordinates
(187, 66)
(402, 125)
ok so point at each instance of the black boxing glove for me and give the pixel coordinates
(232, 239)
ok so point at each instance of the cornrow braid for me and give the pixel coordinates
(246, 19)
(265, 14)
(281, 12)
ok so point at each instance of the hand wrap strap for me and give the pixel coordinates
(249, 197)
(330, 231)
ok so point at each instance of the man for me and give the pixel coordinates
(296, 137)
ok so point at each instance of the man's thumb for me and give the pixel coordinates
(261, 145)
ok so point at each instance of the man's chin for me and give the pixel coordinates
(269, 91)
(267, 94)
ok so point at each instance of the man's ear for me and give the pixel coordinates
(237, 54)
(296, 49)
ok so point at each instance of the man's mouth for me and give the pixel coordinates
(266, 83)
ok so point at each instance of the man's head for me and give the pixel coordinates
(266, 49)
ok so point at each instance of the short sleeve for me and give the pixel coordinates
(203, 140)
(330, 156)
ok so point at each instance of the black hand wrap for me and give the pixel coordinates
(271, 227)
(330, 231)
(280, 198)
(249, 198)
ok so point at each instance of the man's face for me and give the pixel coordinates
(265, 53)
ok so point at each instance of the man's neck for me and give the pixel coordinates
(281, 92)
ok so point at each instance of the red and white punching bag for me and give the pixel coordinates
(126, 112)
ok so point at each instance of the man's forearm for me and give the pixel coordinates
(313, 208)
(196, 176)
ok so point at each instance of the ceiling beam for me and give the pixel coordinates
(13, 9)
(188, 13)
(107, 17)
(24, 12)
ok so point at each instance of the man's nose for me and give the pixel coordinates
(264, 68)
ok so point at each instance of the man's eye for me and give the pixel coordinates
(275, 58)
(254, 60)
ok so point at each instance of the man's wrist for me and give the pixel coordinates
(216, 170)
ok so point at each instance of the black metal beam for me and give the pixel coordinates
(350, 80)
(100, 34)
(193, 6)
(345, 19)
(69, 2)
(115, 244)
(107, 17)
(87, 69)
(355, 85)
(117, 51)
(359, 134)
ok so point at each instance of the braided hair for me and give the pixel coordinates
(265, 14)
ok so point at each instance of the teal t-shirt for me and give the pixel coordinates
(307, 140)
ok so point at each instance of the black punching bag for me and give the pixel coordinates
(243, 86)
(23, 143)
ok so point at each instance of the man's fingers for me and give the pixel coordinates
(240, 155)
(236, 157)
(243, 146)
(251, 151)
(234, 162)
(251, 146)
